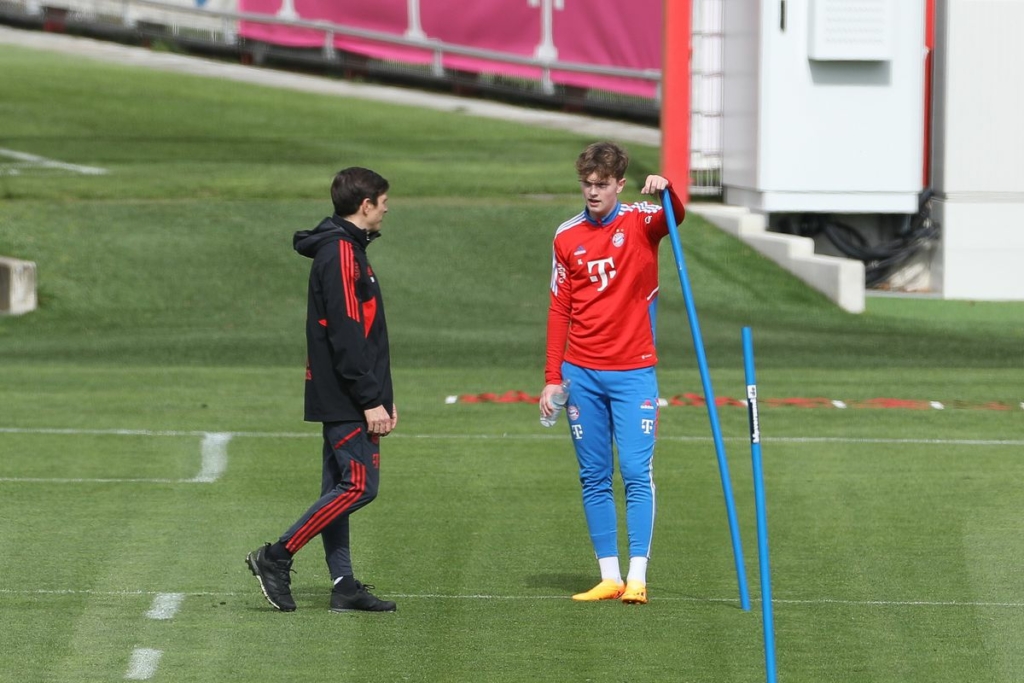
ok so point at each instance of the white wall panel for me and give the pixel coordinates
(978, 150)
(982, 99)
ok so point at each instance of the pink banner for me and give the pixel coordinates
(606, 33)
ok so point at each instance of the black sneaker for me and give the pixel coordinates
(360, 601)
(274, 577)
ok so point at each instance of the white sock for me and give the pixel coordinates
(637, 570)
(610, 568)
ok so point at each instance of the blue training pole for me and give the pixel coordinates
(762, 516)
(709, 399)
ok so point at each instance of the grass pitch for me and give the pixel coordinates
(151, 433)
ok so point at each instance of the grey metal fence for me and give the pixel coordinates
(212, 30)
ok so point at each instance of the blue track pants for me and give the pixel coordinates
(615, 409)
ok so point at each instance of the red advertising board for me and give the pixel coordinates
(605, 33)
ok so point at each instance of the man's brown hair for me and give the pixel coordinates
(354, 184)
(606, 159)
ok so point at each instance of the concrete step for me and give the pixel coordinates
(840, 279)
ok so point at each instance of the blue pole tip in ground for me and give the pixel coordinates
(759, 502)
(709, 399)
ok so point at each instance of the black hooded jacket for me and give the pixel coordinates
(348, 365)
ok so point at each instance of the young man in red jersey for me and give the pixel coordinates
(601, 330)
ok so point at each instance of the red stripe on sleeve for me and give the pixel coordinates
(369, 314)
(348, 279)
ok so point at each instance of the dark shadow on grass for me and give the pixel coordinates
(689, 596)
(572, 583)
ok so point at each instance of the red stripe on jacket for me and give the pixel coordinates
(369, 313)
(348, 278)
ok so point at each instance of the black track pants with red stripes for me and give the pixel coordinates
(351, 472)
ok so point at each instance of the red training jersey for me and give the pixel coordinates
(604, 289)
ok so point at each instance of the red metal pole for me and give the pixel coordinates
(929, 43)
(675, 95)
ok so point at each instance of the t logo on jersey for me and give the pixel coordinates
(647, 426)
(605, 271)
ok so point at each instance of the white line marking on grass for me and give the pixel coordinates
(516, 437)
(561, 596)
(99, 432)
(44, 480)
(75, 591)
(214, 454)
(51, 163)
(684, 598)
(775, 439)
(898, 603)
(926, 442)
(143, 664)
(775, 601)
(165, 605)
(215, 457)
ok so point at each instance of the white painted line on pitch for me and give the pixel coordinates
(775, 601)
(51, 163)
(143, 664)
(504, 436)
(926, 442)
(562, 596)
(99, 432)
(165, 605)
(897, 603)
(68, 480)
(215, 457)
(213, 453)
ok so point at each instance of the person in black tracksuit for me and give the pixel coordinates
(348, 389)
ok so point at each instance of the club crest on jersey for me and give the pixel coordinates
(618, 239)
(573, 412)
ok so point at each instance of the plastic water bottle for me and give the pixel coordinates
(558, 400)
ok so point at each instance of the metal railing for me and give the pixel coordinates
(209, 29)
(128, 10)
